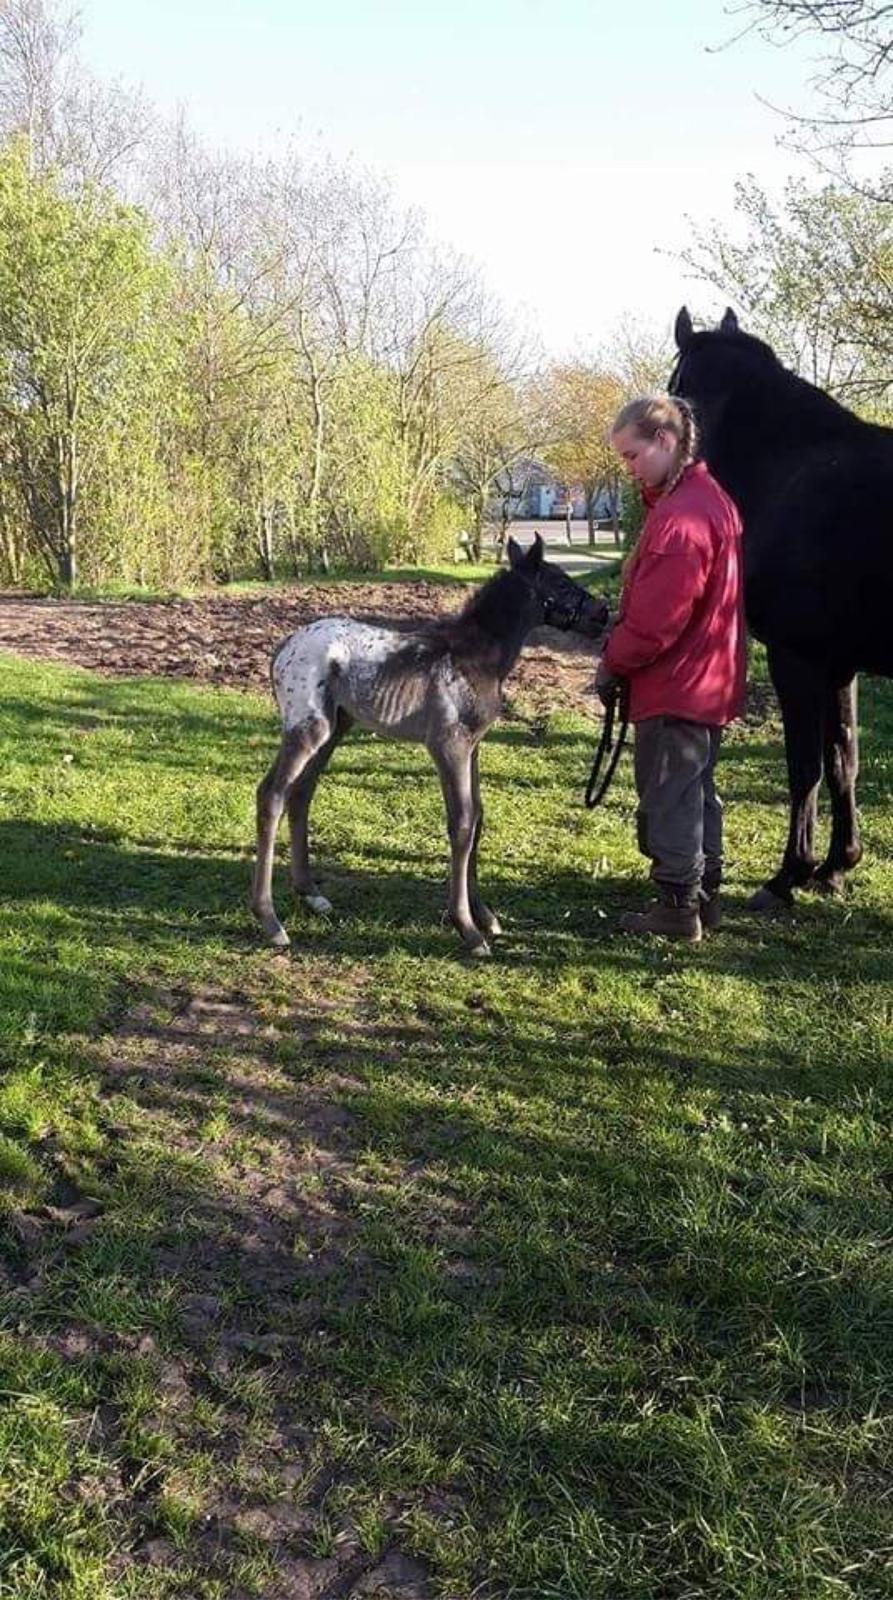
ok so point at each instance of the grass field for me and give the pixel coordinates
(368, 1271)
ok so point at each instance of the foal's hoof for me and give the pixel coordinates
(273, 930)
(318, 904)
(490, 925)
(478, 952)
(769, 904)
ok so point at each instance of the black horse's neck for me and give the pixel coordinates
(767, 416)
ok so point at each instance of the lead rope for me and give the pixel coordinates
(595, 790)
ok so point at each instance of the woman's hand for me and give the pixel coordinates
(607, 683)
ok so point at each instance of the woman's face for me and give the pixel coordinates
(649, 461)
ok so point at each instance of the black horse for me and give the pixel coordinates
(814, 485)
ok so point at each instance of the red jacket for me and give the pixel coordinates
(680, 637)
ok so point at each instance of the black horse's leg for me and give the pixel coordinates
(801, 687)
(486, 919)
(299, 800)
(298, 748)
(841, 771)
(453, 762)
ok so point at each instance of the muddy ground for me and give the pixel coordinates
(229, 639)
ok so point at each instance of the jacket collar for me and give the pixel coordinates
(695, 469)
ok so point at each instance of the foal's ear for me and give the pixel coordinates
(684, 329)
(729, 322)
(514, 552)
(534, 557)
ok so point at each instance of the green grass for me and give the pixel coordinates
(443, 573)
(564, 1276)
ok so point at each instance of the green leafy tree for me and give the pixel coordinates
(814, 276)
(362, 496)
(581, 402)
(500, 427)
(81, 294)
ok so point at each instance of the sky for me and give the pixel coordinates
(568, 146)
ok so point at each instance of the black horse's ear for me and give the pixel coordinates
(729, 322)
(683, 330)
(514, 552)
(535, 554)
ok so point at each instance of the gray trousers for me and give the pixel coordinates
(679, 819)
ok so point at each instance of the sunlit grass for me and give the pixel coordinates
(609, 1308)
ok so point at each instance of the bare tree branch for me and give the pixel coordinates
(853, 78)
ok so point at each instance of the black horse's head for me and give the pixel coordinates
(714, 365)
(564, 604)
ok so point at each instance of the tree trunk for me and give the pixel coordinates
(477, 540)
(265, 542)
(13, 548)
(568, 512)
(318, 543)
(615, 513)
(68, 567)
(502, 541)
(590, 516)
(69, 475)
(293, 545)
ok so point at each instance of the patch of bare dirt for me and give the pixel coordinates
(230, 639)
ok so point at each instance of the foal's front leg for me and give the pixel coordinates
(487, 920)
(454, 762)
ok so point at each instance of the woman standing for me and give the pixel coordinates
(679, 647)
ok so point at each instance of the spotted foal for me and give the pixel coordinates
(439, 685)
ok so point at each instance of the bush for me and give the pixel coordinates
(439, 537)
(632, 515)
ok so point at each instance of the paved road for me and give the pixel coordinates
(574, 559)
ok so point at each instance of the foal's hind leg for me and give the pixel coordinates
(298, 747)
(486, 920)
(299, 801)
(841, 771)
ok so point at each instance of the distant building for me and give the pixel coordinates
(535, 494)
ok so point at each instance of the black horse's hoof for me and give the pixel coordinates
(830, 884)
(766, 903)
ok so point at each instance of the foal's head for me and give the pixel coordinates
(561, 602)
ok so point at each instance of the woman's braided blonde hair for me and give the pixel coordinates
(652, 412)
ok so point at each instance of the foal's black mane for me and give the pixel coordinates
(492, 623)
(496, 607)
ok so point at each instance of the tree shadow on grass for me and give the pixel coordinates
(318, 1239)
(140, 903)
(231, 737)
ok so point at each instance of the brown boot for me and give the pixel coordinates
(710, 906)
(673, 916)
